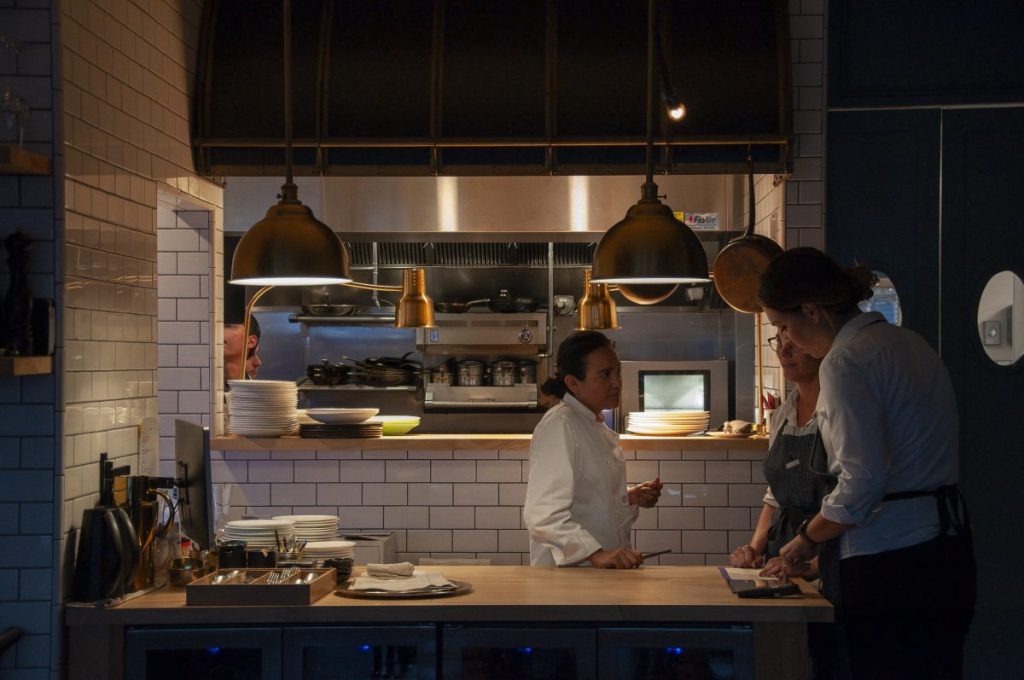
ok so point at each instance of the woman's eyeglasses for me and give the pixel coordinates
(775, 342)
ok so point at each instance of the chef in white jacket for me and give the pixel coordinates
(578, 508)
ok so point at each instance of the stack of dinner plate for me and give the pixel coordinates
(325, 550)
(259, 533)
(667, 423)
(262, 408)
(313, 527)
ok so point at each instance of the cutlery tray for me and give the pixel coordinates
(252, 587)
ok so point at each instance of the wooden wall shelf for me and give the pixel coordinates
(15, 161)
(26, 365)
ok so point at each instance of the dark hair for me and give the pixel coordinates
(808, 276)
(572, 360)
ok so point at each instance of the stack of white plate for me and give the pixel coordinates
(313, 527)
(259, 533)
(667, 423)
(326, 550)
(262, 408)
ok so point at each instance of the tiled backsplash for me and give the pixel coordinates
(469, 503)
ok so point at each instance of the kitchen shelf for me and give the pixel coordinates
(15, 161)
(309, 386)
(341, 319)
(26, 365)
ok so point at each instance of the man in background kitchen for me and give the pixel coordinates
(234, 346)
(578, 508)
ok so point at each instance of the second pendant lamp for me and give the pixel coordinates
(650, 246)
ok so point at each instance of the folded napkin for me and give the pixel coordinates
(737, 426)
(394, 570)
(420, 580)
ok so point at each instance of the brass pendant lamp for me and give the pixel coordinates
(650, 246)
(291, 247)
(596, 311)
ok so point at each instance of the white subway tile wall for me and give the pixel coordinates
(472, 507)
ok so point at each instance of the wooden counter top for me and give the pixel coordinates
(473, 442)
(500, 593)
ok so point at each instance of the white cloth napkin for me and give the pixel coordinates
(393, 570)
(420, 580)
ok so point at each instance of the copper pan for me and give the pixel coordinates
(739, 265)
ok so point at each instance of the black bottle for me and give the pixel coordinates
(16, 319)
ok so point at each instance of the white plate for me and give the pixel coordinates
(341, 416)
(730, 435)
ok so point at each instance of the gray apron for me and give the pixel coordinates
(797, 472)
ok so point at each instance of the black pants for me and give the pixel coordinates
(905, 612)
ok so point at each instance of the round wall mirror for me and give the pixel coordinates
(884, 300)
(1001, 318)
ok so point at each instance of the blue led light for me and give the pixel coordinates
(525, 650)
(213, 650)
(365, 648)
(674, 650)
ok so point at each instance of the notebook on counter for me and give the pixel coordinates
(749, 583)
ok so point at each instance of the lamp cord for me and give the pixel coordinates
(650, 189)
(287, 48)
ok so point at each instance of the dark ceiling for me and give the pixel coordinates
(461, 87)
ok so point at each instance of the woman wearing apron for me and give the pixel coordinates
(796, 468)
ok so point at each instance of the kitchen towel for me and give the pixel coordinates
(393, 570)
(420, 580)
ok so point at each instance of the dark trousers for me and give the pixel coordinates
(905, 612)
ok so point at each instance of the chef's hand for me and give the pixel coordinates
(645, 495)
(746, 557)
(618, 558)
(776, 567)
(796, 554)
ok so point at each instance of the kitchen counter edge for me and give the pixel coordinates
(473, 442)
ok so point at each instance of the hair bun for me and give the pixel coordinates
(862, 280)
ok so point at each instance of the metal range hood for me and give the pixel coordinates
(482, 209)
(490, 87)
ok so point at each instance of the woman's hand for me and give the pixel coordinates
(776, 568)
(747, 557)
(645, 495)
(617, 558)
(797, 554)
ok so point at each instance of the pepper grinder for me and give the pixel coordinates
(16, 314)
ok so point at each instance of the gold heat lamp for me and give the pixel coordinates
(596, 310)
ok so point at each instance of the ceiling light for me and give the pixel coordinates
(650, 245)
(596, 310)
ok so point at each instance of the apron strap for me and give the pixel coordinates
(951, 505)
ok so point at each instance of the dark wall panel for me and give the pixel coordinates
(882, 180)
(925, 52)
(982, 235)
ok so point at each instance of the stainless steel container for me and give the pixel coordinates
(441, 374)
(470, 372)
(527, 371)
(504, 373)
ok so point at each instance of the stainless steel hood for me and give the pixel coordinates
(577, 208)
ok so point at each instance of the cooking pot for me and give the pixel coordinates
(507, 303)
(326, 373)
(457, 307)
(470, 372)
(388, 371)
(504, 373)
(329, 309)
(739, 265)
(441, 374)
(527, 371)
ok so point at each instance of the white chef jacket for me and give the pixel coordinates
(888, 419)
(576, 498)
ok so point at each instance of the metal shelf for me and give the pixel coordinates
(26, 365)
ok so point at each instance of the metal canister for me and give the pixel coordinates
(470, 372)
(527, 371)
(504, 373)
(441, 374)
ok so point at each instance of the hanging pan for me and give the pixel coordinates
(739, 265)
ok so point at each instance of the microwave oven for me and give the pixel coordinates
(674, 386)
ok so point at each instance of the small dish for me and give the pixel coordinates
(337, 416)
(730, 435)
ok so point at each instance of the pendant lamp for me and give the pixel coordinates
(291, 247)
(650, 246)
(596, 311)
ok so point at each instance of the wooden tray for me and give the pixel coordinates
(252, 588)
